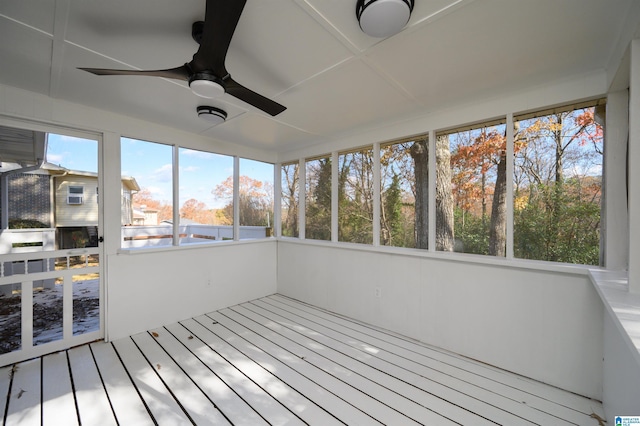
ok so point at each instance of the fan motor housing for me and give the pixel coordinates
(383, 18)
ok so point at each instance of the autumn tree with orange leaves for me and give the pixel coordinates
(558, 176)
(145, 198)
(255, 201)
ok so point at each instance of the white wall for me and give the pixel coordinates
(621, 387)
(543, 325)
(149, 289)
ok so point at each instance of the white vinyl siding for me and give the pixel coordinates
(80, 214)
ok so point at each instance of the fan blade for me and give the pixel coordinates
(179, 73)
(234, 88)
(221, 19)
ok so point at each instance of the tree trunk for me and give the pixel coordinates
(444, 196)
(420, 153)
(497, 233)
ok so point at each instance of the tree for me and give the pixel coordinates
(498, 227)
(444, 195)
(255, 200)
(397, 209)
(391, 213)
(355, 197)
(559, 185)
(145, 198)
(445, 238)
(318, 208)
(198, 212)
(290, 185)
(420, 154)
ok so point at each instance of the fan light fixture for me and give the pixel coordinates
(212, 114)
(206, 85)
(383, 18)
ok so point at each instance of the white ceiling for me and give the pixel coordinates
(308, 55)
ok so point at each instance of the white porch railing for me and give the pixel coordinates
(14, 241)
(50, 301)
(27, 240)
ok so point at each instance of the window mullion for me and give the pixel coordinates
(236, 198)
(276, 226)
(376, 194)
(302, 198)
(176, 196)
(334, 196)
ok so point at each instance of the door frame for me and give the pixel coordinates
(27, 349)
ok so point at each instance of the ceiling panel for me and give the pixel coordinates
(37, 14)
(144, 34)
(458, 57)
(25, 57)
(278, 45)
(349, 95)
(308, 55)
(341, 15)
(257, 131)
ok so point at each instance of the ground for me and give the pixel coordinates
(47, 314)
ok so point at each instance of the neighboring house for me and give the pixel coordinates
(128, 214)
(143, 215)
(66, 200)
(30, 197)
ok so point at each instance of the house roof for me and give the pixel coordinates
(21, 148)
(312, 57)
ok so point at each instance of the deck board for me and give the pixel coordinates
(397, 394)
(163, 406)
(25, 398)
(263, 403)
(276, 361)
(534, 393)
(200, 409)
(93, 403)
(58, 403)
(5, 381)
(129, 408)
(216, 390)
(442, 397)
(458, 392)
(267, 376)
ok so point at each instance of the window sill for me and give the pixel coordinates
(192, 246)
(623, 306)
(537, 265)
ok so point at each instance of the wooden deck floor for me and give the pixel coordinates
(275, 361)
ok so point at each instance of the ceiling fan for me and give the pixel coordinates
(206, 73)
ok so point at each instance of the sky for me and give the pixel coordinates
(151, 165)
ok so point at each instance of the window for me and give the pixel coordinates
(255, 199)
(558, 184)
(289, 199)
(471, 189)
(74, 194)
(318, 199)
(151, 165)
(355, 196)
(206, 196)
(554, 194)
(404, 192)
